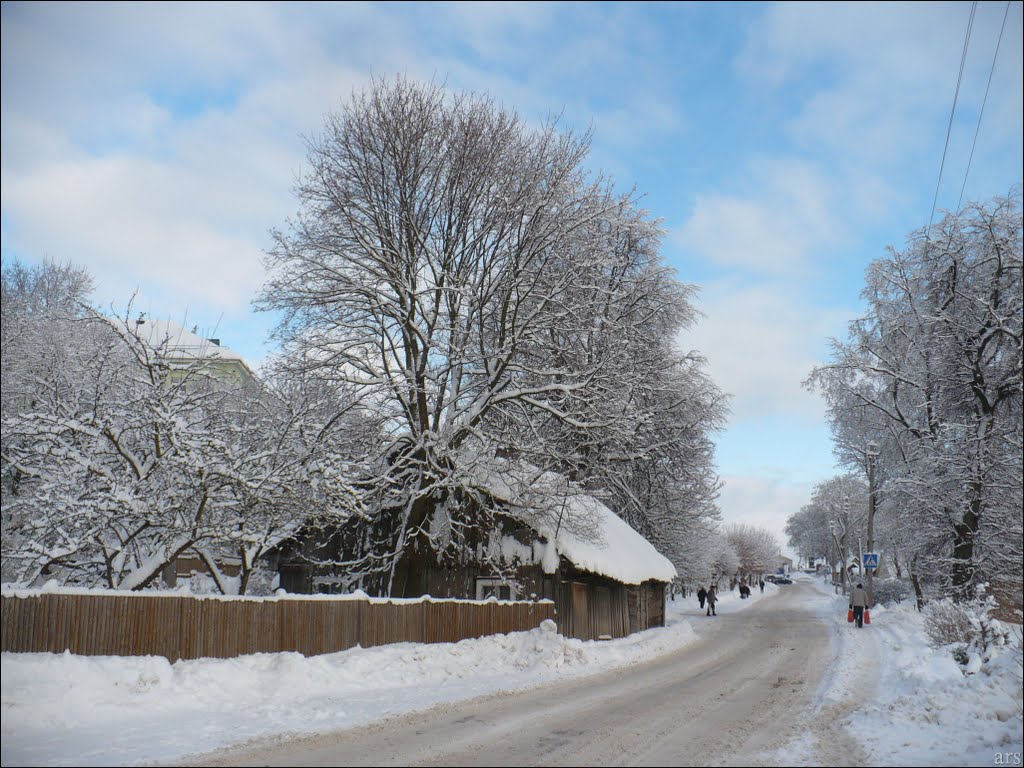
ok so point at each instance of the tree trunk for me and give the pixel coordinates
(964, 567)
(409, 578)
(896, 561)
(917, 584)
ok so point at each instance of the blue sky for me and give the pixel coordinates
(784, 146)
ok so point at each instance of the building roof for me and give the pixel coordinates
(578, 527)
(181, 344)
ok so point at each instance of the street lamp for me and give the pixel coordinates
(872, 456)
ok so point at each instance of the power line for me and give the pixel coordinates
(983, 101)
(949, 128)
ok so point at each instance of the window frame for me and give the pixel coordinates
(483, 582)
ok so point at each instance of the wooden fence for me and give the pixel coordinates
(187, 627)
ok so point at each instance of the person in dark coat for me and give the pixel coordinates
(744, 591)
(762, 586)
(701, 596)
(858, 602)
(712, 598)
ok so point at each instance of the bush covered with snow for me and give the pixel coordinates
(946, 622)
(888, 591)
(969, 630)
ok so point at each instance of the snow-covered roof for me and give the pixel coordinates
(179, 342)
(578, 527)
(618, 552)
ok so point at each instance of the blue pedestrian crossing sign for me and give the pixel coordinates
(871, 560)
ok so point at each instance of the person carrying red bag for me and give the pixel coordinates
(858, 603)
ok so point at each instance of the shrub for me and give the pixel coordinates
(946, 622)
(969, 629)
(888, 591)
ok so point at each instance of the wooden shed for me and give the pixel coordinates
(605, 579)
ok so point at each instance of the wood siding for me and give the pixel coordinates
(185, 627)
(588, 606)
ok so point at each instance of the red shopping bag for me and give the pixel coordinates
(849, 616)
(867, 616)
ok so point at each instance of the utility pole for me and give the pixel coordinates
(872, 456)
(836, 527)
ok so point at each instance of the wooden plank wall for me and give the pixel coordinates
(185, 627)
(591, 611)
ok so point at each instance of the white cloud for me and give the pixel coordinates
(761, 343)
(135, 224)
(493, 30)
(762, 501)
(882, 71)
(785, 212)
(161, 162)
(177, 206)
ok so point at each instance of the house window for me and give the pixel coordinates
(499, 588)
(327, 585)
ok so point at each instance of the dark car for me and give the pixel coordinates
(782, 580)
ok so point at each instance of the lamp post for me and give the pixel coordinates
(872, 457)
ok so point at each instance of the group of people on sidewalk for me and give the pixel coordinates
(710, 596)
(858, 600)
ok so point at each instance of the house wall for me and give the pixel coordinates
(587, 605)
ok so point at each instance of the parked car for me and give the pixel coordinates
(782, 580)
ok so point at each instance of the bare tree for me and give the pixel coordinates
(834, 522)
(118, 456)
(809, 535)
(287, 451)
(481, 294)
(757, 549)
(933, 375)
(716, 559)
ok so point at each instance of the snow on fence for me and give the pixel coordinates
(187, 627)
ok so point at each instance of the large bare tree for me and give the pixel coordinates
(932, 374)
(488, 299)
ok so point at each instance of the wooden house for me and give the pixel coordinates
(605, 579)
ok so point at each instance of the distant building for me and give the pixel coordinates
(784, 565)
(184, 351)
(181, 349)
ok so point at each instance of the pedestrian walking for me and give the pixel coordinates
(702, 596)
(858, 602)
(762, 586)
(712, 598)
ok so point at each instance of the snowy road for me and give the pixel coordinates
(741, 695)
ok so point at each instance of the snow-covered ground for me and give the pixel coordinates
(76, 710)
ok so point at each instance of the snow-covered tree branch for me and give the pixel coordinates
(932, 374)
